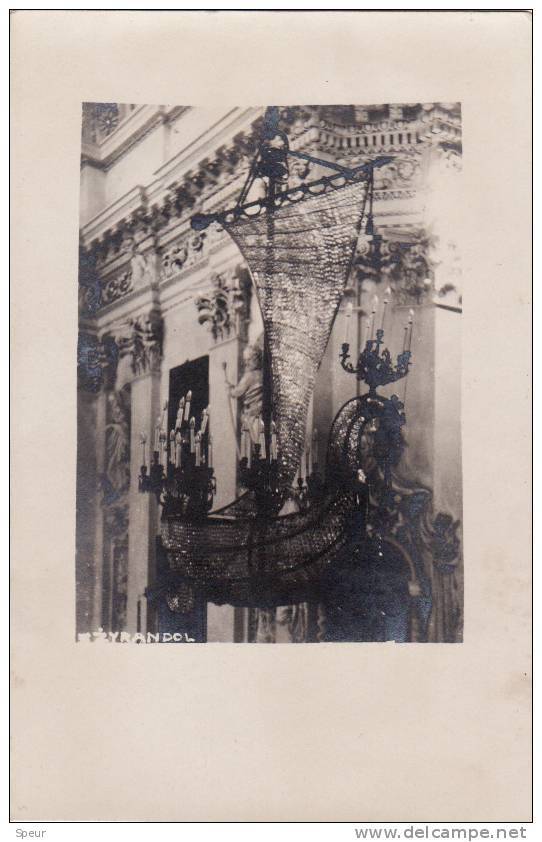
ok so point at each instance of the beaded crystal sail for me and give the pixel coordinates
(298, 243)
(299, 257)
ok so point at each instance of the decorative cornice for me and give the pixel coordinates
(160, 225)
(216, 169)
(177, 188)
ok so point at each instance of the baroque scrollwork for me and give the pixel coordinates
(174, 259)
(348, 132)
(117, 287)
(183, 254)
(406, 267)
(90, 289)
(226, 306)
(432, 543)
(403, 265)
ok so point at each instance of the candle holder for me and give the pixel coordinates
(374, 366)
(181, 477)
(186, 492)
(260, 475)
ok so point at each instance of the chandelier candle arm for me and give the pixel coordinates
(387, 295)
(410, 321)
(347, 320)
(373, 314)
(367, 332)
(180, 414)
(192, 433)
(163, 417)
(374, 366)
(187, 406)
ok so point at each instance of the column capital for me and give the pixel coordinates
(225, 308)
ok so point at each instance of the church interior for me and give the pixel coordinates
(174, 383)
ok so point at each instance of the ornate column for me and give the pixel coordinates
(103, 477)
(225, 311)
(143, 348)
(120, 360)
(89, 459)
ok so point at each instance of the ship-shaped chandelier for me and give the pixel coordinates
(299, 243)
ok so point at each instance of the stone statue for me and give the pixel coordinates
(250, 388)
(138, 264)
(117, 443)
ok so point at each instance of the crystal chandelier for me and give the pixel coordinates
(299, 244)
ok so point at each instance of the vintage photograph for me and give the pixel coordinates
(269, 374)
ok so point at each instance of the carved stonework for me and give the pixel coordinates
(100, 119)
(115, 358)
(143, 264)
(117, 287)
(174, 259)
(111, 270)
(90, 289)
(346, 134)
(89, 370)
(403, 265)
(116, 479)
(107, 117)
(141, 342)
(434, 547)
(225, 308)
(96, 362)
(183, 254)
(140, 270)
(115, 487)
